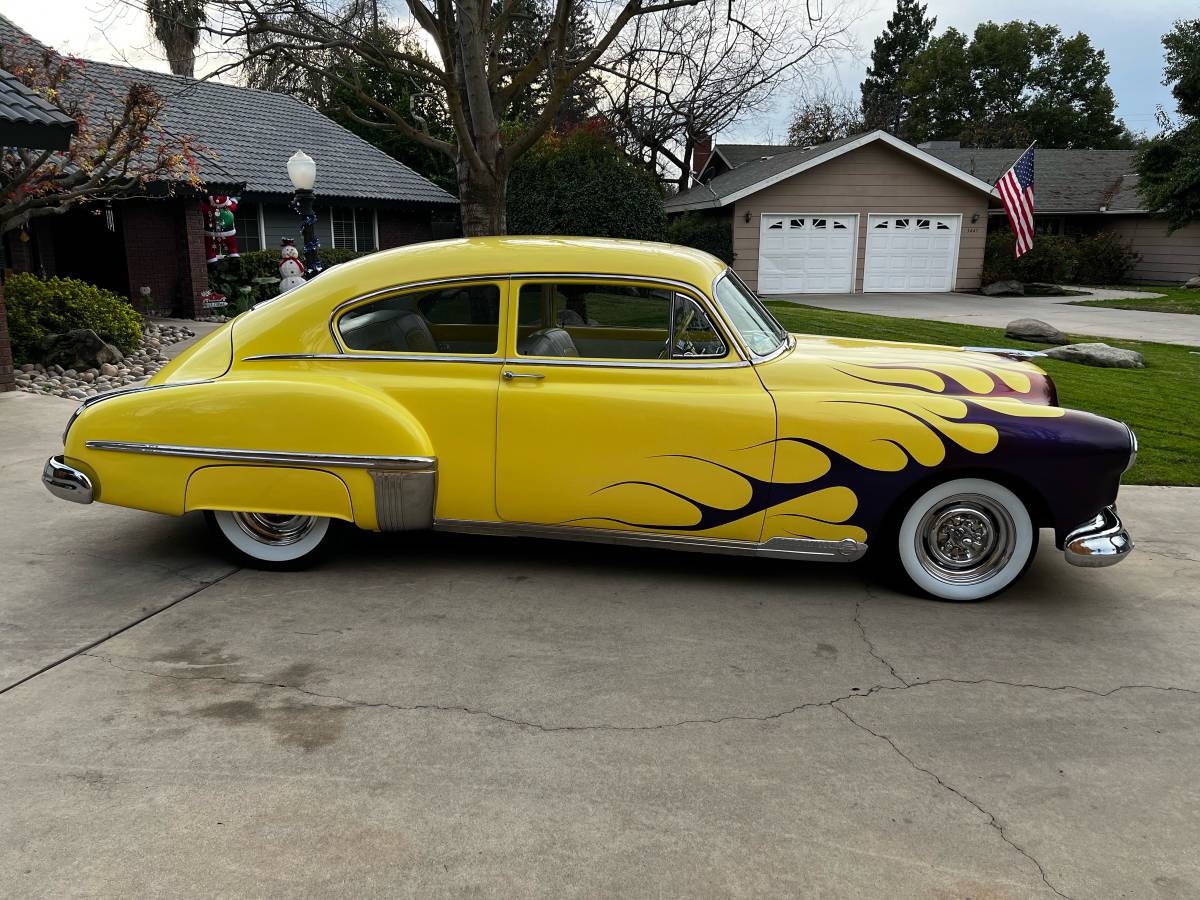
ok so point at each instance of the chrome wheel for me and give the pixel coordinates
(274, 530)
(965, 539)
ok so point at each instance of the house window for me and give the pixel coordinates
(1048, 226)
(354, 229)
(248, 233)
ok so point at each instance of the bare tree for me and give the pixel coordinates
(116, 150)
(176, 25)
(464, 71)
(824, 115)
(692, 72)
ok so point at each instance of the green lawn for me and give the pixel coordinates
(1161, 402)
(1176, 299)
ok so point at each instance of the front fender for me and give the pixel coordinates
(327, 423)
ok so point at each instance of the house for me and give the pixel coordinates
(366, 200)
(26, 120)
(873, 213)
(865, 213)
(1084, 191)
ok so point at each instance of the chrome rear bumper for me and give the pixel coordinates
(1101, 542)
(66, 482)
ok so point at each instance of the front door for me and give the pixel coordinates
(622, 405)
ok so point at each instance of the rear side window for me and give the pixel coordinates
(459, 320)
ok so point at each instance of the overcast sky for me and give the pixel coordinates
(1128, 32)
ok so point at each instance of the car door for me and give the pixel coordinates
(624, 404)
(437, 350)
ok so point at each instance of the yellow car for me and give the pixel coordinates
(600, 390)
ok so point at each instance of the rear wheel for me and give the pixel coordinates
(270, 541)
(966, 539)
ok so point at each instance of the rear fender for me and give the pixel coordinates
(164, 436)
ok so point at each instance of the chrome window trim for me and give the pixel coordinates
(788, 340)
(709, 306)
(274, 457)
(121, 392)
(689, 290)
(845, 550)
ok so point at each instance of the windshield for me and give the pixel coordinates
(758, 328)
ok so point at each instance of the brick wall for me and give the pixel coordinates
(150, 252)
(193, 269)
(6, 360)
(399, 226)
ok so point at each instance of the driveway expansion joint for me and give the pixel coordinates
(992, 821)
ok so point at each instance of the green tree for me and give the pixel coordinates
(1012, 83)
(885, 98)
(1169, 165)
(579, 182)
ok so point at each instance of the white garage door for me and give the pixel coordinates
(804, 253)
(911, 253)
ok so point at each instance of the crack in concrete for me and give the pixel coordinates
(862, 630)
(992, 822)
(475, 711)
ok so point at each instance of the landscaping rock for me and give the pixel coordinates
(80, 348)
(1035, 330)
(1101, 355)
(1193, 284)
(1008, 288)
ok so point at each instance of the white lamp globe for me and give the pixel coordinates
(302, 171)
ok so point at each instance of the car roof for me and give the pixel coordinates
(525, 254)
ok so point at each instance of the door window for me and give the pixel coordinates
(613, 321)
(460, 319)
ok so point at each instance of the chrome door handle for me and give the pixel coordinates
(509, 376)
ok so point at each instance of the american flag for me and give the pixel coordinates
(1016, 191)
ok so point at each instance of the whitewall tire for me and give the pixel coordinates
(965, 539)
(271, 541)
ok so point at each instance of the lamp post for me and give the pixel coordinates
(303, 173)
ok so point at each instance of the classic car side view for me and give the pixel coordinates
(600, 390)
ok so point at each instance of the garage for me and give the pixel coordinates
(803, 253)
(910, 252)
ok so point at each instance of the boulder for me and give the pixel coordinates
(79, 349)
(1008, 288)
(1100, 355)
(1193, 284)
(1035, 330)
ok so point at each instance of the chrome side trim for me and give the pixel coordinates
(120, 392)
(1133, 448)
(66, 482)
(499, 361)
(1006, 352)
(1101, 542)
(271, 457)
(404, 501)
(786, 548)
(370, 357)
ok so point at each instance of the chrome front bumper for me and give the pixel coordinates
(65, 482)
(1101, 542)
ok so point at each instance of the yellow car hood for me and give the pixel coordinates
(828, 364)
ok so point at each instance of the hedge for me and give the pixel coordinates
(236, 273)
(38, 307)
(1100, 258)
(712, 234)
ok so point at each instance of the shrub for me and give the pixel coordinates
(234, 274)
(38, 307)
(1100, 258)
(712, 234)
(580, 183)
(1104, 259)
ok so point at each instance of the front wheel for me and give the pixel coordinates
(966, 539)
(269, 541)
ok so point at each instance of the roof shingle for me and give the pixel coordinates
(248, 134)
(29, 120)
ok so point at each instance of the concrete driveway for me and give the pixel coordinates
(434, 715)
(996, 312)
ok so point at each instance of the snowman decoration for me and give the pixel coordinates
(291, 269)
